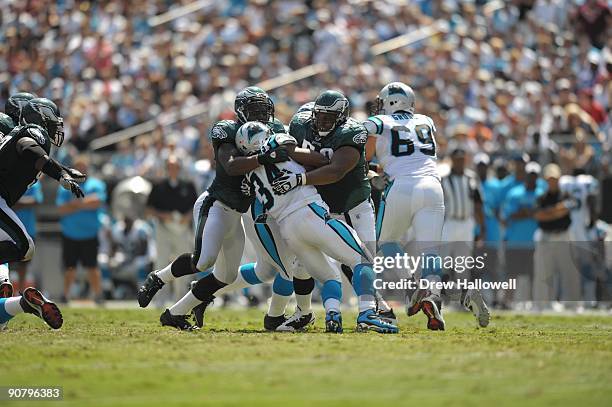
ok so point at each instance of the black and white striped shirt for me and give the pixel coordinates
(460, 194)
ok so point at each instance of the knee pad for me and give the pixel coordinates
(303, 287)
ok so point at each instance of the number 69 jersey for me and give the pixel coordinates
(405, 144)
(280, 206)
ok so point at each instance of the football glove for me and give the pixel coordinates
(287, 182)
(76, 175)
(68, 183)
(273, 156)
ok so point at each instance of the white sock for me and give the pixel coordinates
(304, 302)
(382, 304)
(238, 284)
(12, 306)
(4, 273)
(278, 304)
(185, 304)
(366, 302)
(332, 304)
(165, 274)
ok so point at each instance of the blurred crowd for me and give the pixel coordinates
(501, 78)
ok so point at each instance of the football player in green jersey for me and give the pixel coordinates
(324, 126)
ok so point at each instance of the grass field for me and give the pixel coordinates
(123, 357)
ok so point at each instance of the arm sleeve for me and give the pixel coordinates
(374, 125)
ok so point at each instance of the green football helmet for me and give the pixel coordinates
(330, 109)
(45, 113)
(253, 104)
(6, 124)
(15, 103)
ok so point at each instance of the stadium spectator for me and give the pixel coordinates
(131, 252)
(170, 205)
(553, 261)
(80, 223)
(25, 210)
(517, 213)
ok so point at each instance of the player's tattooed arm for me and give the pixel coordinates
(235, 164)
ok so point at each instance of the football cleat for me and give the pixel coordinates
(178, 321)
(33, 302)
(6, 289)
(388, 316)
(298, 322)
(431, 309)
(199, 310)
(414, 306)
(369, 320)
(333, 322)
(473, 301)
(148, 290)
(272, 323)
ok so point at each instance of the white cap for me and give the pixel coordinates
(482, 158)
(533, 168)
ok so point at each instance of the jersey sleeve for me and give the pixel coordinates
(374, 125)
(221, 133)
(354, 135)
(297, 128)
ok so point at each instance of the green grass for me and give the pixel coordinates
(123, 357)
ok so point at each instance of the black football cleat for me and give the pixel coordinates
(33, 302)
(272, 323)
(148, 290)
(298, 322)
(6, 289)
(199, 310)
(177, 321)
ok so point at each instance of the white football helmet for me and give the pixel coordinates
(395, 97)
(251, 136)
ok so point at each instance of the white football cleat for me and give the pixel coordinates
(298, 322)
(474, 302)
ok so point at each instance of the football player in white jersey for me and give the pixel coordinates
(583, 189)
(405, 146)
(310, 232)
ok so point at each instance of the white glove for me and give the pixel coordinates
(287, 182)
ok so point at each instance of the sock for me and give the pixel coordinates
(185, 304)
(207, 287)
(281, 294)
(331, 294)
(381, 303)
(181, 266)
(9, 307)
(303, 293)
(4, 273)
(246, 278)
(363, 283)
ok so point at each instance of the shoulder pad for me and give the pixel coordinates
(221, 130)
(36, 133)
(284, 139)
(355, 130)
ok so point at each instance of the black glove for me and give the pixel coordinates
(273, 156)
(68, 183)
(76, 175)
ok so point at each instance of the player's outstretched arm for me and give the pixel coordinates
(307, 157)
(235, 164)
(343, 160)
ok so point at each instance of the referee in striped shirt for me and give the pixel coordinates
(463, 208)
